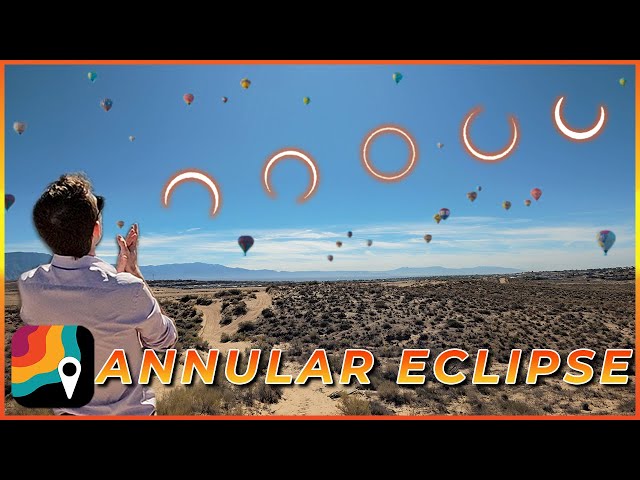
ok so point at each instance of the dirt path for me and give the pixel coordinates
(211, 328)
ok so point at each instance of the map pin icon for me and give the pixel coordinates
(69, 382)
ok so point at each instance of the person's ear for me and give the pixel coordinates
(97, 229)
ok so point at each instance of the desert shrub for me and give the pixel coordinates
(224, 338)
(186, 298)
(226, 320)
(267, 393)
(199, 399)
(378, 408)
(246, 326)
(239, 308)
(390, 392)
(349, 405)
(204, 301)
(267, 313)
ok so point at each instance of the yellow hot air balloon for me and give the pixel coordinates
(506, 204)
(245, 82)
(306, 100)
(437, 217)
(622, 82)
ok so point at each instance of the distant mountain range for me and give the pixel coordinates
(19, 262)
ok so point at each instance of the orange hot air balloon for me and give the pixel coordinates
(339, 243)
(188, 98)
(245, 83)
(527, 202)
(536, 193)
(120, 223)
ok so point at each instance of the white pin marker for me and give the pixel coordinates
(69, 382)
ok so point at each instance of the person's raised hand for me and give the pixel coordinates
(132, 247)
(123, 255)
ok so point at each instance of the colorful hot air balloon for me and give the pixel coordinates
(437, 218)
(188, 98)
(527, 202)
(306, 100)
(330, 258)
(536, 193)
(369, 243)
(245, 82)
(245, 242)
(472, 196)
(479, 188)
(120, 223)
(427, 238)
(349, 234)
(131, 138)
(225, 99)
(606, 239)
(8, 201)
(622, 82)
(444, 213)
(19, 127)
(106, 104)
(397, 77)
(338, 243)
(440, 145)
(506, 204)
(92, 76)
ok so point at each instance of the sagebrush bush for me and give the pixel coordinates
(350, 405)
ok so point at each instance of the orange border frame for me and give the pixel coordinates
(4, 63)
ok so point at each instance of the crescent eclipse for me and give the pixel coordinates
(488, 157)
(196, 176)
(291, 152)
(578, 135)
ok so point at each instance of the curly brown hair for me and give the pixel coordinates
(65, 215)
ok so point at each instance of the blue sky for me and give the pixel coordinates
(586, 186)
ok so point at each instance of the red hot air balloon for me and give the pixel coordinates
(8, 201)
(245, 242)
(188, 98)
(536, 193)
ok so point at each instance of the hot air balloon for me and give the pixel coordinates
(92, 76)
(245, 82)
(225, 99)
(106, 104)
(622, 82)
(19, 127)
(330, 258)
(536, 193)
(437, 218)
(188, 98)
(245, 242)
(338, 243)
(120, 223)
(306, 100)
(444, 213)
(131, 138)
(349, 234)
(427, 238)
(479, 188)
(472, 196)
(527, 202)
(606, 239)
(506, 204)
(440, 145)
(369, 243)
(8, 201)
(397, 77)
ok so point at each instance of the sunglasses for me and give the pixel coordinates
(100, 203)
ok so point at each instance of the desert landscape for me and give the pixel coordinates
(559, 310)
